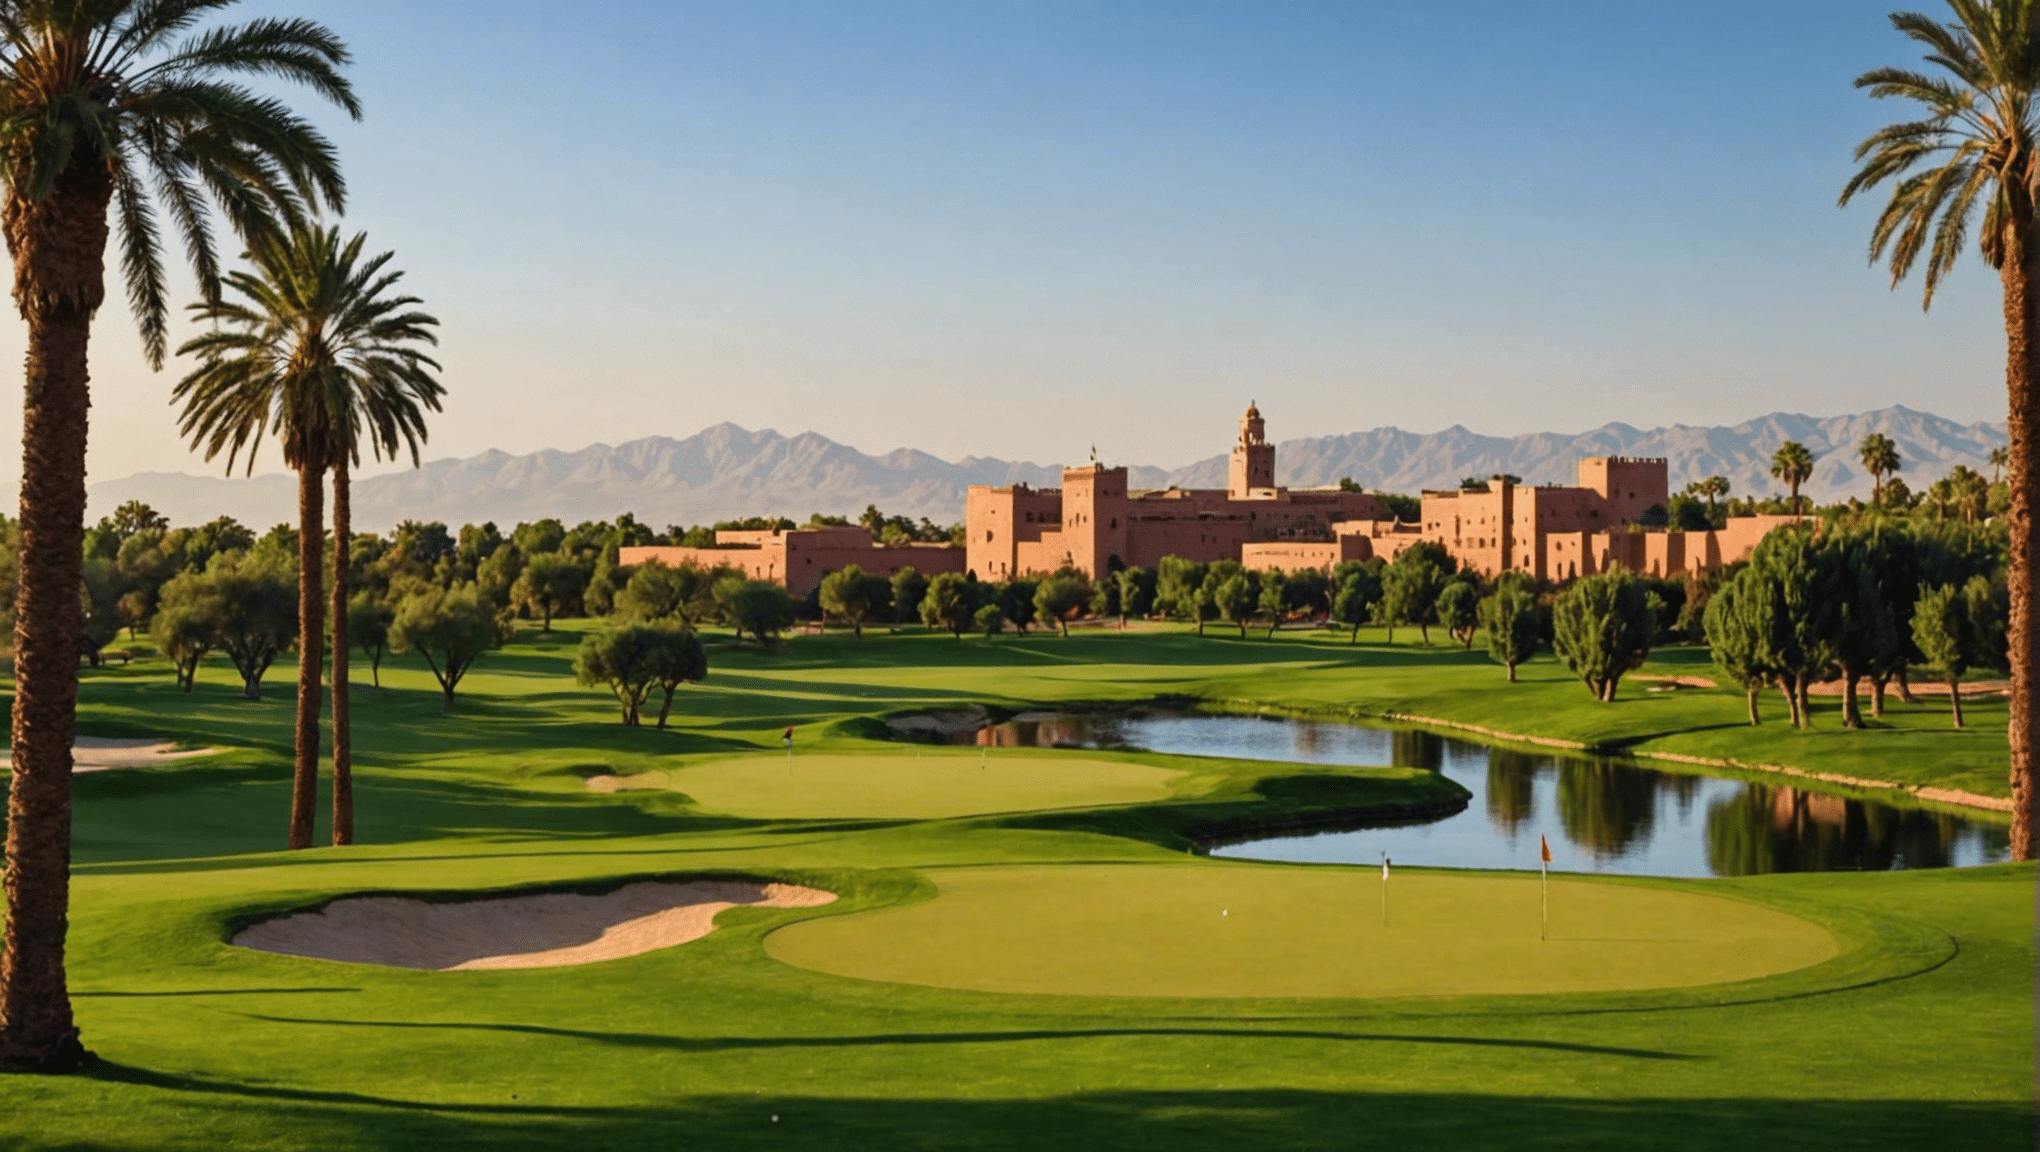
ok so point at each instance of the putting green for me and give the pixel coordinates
(1244, 930)
(924, 786)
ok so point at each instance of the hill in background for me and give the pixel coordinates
(727, 471)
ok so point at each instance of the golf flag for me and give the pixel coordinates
(788, 737)
(1384, 869)
(1544, 849)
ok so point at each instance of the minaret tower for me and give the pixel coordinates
(1253, 458)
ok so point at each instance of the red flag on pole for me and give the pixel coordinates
(1544, 849)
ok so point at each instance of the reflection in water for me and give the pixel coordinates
(1605, 807)
(1511, 788)
(1771, 828)
(1600, 814)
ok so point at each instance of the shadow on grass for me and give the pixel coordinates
(1211, 1117)
(739, 1043)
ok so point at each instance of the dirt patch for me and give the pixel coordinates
(1665, 683)
(104, 753)
(643, 782)
(543, 930)
(1919, 688)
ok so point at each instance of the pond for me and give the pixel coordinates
(1600, 814)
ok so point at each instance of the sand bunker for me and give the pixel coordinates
(544, 930)
(100, 753)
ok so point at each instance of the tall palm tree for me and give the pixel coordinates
(111, 102)
(1792, 463)
(1998, 456)
(1880, 458)
(1972, 154)
(311, 345)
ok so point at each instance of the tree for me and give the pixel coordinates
(1458, 609)
(1602, 627)
(1741, 625)
(1359, 592)
(1960, 628)
(677, 659)
(948, 604)
(1792, 464)
(1510, 617)
(1880, 458)
(1865, 628)
(1179, 590)
(1710, 489)
(450, 628)
(989, 619)
(1998, 456)
(762, 608)
(115, 101)
(658, 592)
(258, 610)
(1977, 136)
(1060, 596)
(621, 658)
(1411, 584)
(99, 602)
(908, 586)
(550, 581)
(135, 516)
(1136, 593)
(368, 628)
(1016, 602)
(184, 627)
(311, 341)
(1796, 583)
(1273, 602)
(853, 594)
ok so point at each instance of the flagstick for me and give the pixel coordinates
(1384, 891)
(1544, 893)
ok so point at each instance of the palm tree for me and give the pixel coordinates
(112, 102)
(1997, 465)
(1710, 489)
(309, 343)
(1974, 153)
(1792, 463)
(1880, 458)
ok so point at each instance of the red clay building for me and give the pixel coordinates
(1552, 532)
(798, 558)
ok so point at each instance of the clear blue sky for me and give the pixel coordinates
(1016, 229)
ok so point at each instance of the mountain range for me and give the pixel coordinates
(727, 471)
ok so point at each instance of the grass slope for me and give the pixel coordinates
(1916, 1034)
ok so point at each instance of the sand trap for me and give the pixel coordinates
(1660, 683)
(544, 930)
(101, 753)
(1919, 688)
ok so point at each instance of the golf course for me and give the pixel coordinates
(920, 945)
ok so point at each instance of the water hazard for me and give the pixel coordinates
(1600, 814)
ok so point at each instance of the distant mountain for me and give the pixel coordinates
(1402, 461)
(727, 471)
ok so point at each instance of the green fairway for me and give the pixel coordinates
(914, 785)
(1896, 1012)
(1257, 931)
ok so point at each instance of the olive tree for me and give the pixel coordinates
(1602, 627)
(450, 628)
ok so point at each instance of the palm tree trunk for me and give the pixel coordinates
(59, 248)
(2022, 332)
(343, 737)
(304, 790)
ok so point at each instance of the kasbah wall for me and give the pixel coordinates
(1551, 532)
